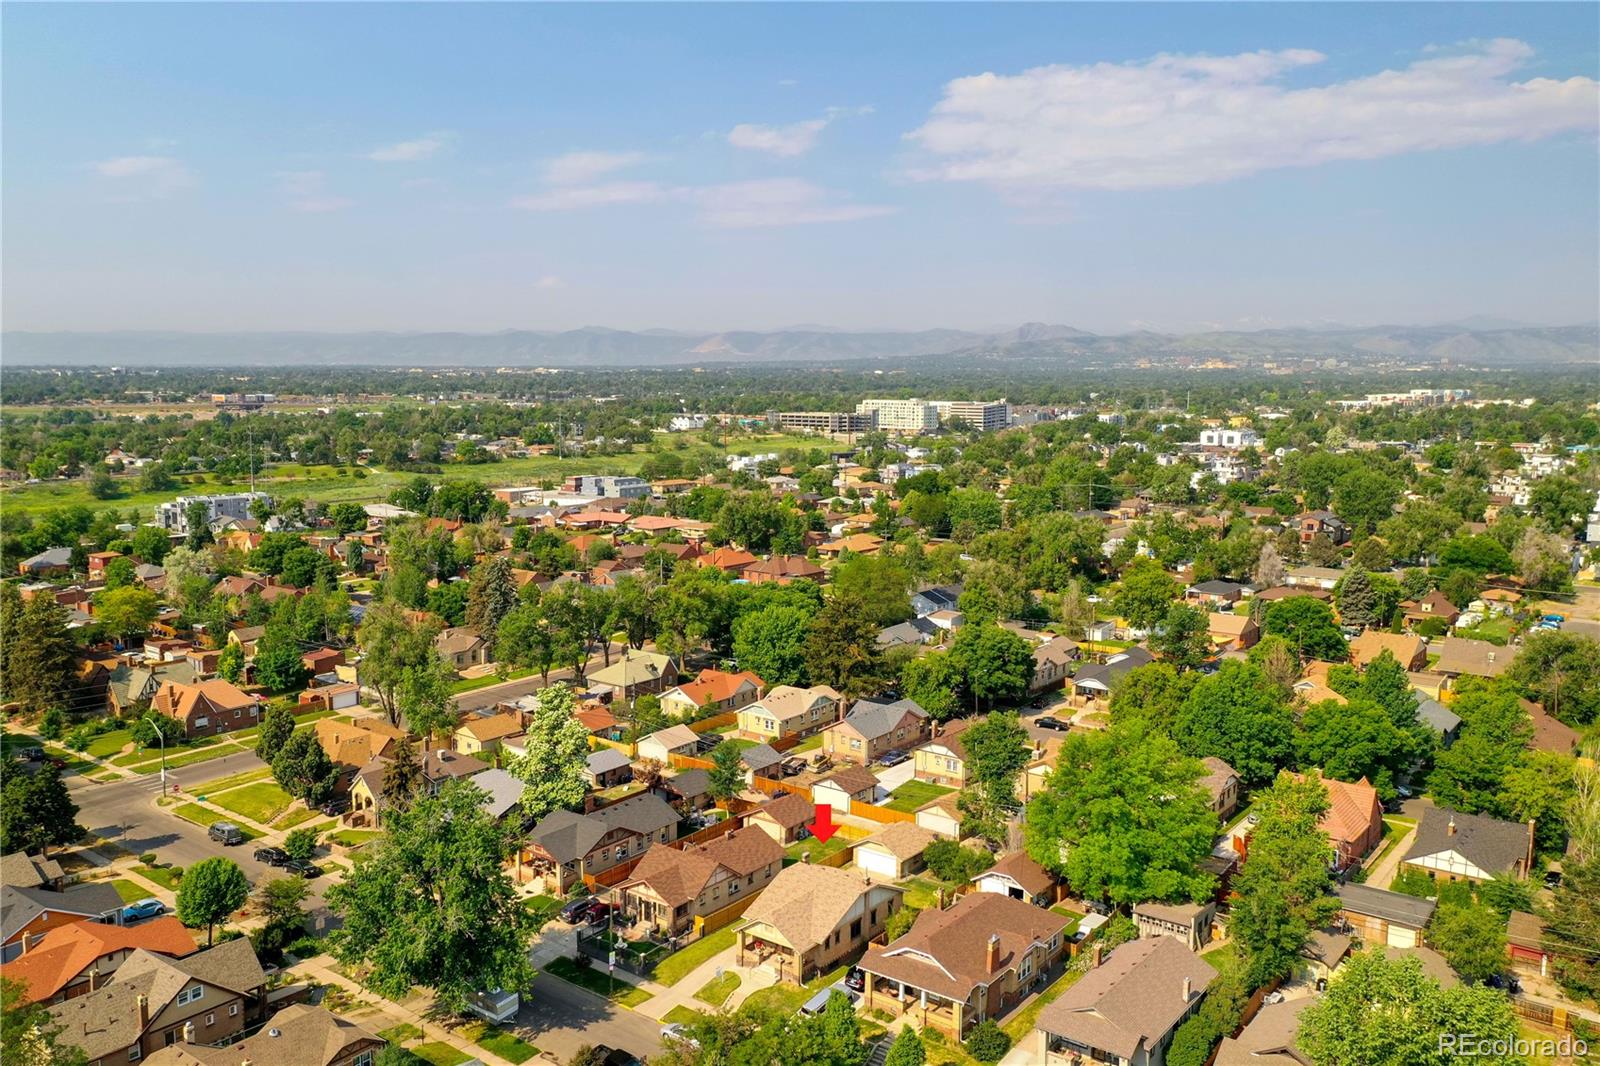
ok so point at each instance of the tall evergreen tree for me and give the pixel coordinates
(38, 667)
(842, 647)
(402, 778)
(1358, 601)
(491, 594)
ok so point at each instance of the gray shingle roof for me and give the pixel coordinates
(1488, 843)
(1396, 907)
(873, 719)
(1132, 1000)
(20, 905)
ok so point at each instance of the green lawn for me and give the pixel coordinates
(467, 684)
(922, 893)
(596, 980)
(1021, 1022)
(717, 990)
(260, 802)
(159, 875)
(108, 744)
(188, 758)
(174, 750)
(787, 998)
(193, 812)
(353, 838)
(837, 842)
(128, 890)
(399, 1034)
(1496, 630)
(439, 1053)
(294, 818)
(220, 784)
(913, 794)
(508, 1046)
(811, 743)
(675, 967)
(682, 1015)
(12, 741)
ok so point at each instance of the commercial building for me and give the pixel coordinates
(985, 416)
(824, 421)
(174, 514)
(607, 486)
(902, 416)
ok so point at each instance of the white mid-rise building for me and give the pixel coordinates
(174, 514)
(986, 416)
(902, 416)
(1232, 439)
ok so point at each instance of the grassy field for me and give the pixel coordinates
(913, 794)
(677, 966)
(129, 890)
(260, 802)
(682, 1015)
(159, 875)
(399, 1034)
(596, 980)
(294, 818)
(193, 812)
(108, 744)
(496, 1041)
(189, 758)
(12, 741)
(787, 998)
(352, 838)
(439, 1053)
(717, 990)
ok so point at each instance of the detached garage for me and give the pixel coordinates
(1379, 917)
(893, 852)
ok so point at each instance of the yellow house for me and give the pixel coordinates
(943, 760)
(789, 711)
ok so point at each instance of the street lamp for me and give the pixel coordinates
(162, 737)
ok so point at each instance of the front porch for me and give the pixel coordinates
(923, 1008)
(758, 952)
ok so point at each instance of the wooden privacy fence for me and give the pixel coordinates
(630, 750)
(688, 762)
(710, 832)
(725, 917)
(874, 813)
(614, 876)
(715, 722)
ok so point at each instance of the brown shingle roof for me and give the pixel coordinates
(1033, 878)
(1132, 1000)
(946, 952)
(805, 903)
(788, 811)
(903, 840)
(298, 1035)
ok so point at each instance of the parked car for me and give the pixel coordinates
(336, 806)
(308, 870)
(1252, 818)
(598, 913)
(894, 757)
(31, 754)
(675, 1032)
(855, 979)
(819, 1002)
(139, 910)
(271, 856)
(1504, 981)
(574, 910)
(1552, 879)
(615, 1056)
(790, 767)
(1050, 721)
(225, 833)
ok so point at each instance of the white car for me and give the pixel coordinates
(674, 1031)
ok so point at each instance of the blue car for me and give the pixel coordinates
(144, 908)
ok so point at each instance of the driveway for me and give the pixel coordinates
(559, 1017)
(895, 776)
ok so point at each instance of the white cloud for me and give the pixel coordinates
(145, 177)
(777, 202)
(580, 168)
(606, 194)
(306, 191)
(1174, 121)
(549, 281)
(797, 138)
(425, 147)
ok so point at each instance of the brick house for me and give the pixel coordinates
(206, 708)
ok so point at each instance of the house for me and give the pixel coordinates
(247, 637)
(893, 852)
(1324, 952)
(938, 598)
(872, 729)
(728, 559)
(854, 543)
(206, 708)
(436, 767)
(72, 960)
(943, 760)
(1439, 718)
(298, 1035)
(1317, 578)
(665, 743)
(482, 735)
(714, 691)
(1269, 1039)
(635, 674)
(1455, 846)
(1530, 947)
(21, 870)
(502, 792)
(50, 561)
(1409, 650)
(1379, 917)
(461, 647)
(1187, 923)
(1475, 658)
(912, 633)
(1434, 605)
(1330, 525)
(1126, 1009)
(1549, 734)
(956, 967)
(606, 768)
(789, 711)
(1093, 683)
(353, 744)
(853, 784)
(1232, 632)
(941, 816)
(322, 660)
(783, 819)
(1216, 593)
(810, 918)
(565, 847)
(1222, 784)
(782, 570)
(1353, 820)
(686, 791)
(1019, 877)
(670, 889)
(760, 760)
(153, 1002)
(1053, 663)
(27, 913)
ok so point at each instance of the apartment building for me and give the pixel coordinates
(173, 515)
(901, 416)
(985, 416)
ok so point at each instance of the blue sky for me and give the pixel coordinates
(483, 167)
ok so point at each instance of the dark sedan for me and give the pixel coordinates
(272, 856)
(1050, 721)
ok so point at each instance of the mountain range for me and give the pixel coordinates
(1480, 343)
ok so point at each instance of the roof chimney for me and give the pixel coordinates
(144, 1011)
(992, 953)
(1099, 954)
(1450, 830)
(94, 978)
(1188, 989)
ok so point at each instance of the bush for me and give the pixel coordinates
(988, 1042)
(899, 923)
(306, 947)
(301, 843)
(950, 861)
(53, 724)
(148, 858)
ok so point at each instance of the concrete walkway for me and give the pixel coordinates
(682, 994)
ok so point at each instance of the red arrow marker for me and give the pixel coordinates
(823, 827)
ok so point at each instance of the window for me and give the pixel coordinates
(201, 723)
(190, 994)
(134, 1052)
(855, 929)
(211, 1019)
(733, 888)
(363, 1059)
(855, 745)
(233, 1009)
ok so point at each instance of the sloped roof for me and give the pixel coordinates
(674, 736)
(1488, 843)
(946, 951)
(851, 779)
(1397, 907)
(298, 1035)
(634, 668)
(1029, 875)
(604, 760)
(28, 871)
(788, 811)
(805, 902)
(492, 727)
(873, 719)
(504, 790)
(68, 950)
(1479, 658)
(788, 701)
(1269, 1039)
(19, 905)
(1131, 1000)
(717, 686)
(1405, 647)
(680, 876)
(903, 840)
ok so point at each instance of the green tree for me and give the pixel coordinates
(277, 726)
(727, 772)
(38, 650)
(28, 1030)
(278, 664)
(402, 778)
(933, 682)
(1241, 718)
(1357, 600)
(303, 769)
(1124, 818)
(1354, 740)
(881, 582)
(1562, 672)
(997, 750)
(1182, 637)
(771, 642)
(1283, 891)
(1539, 787)
(1152, 694)
(152, 544)
(557, 748)
(491, 595)
(1365, 497)
(1308, 625)
(1472, 938)
(1146, 594)
(1385, 1011)
(425, 699)
(197, 519)
(389, 647)
(127, 611)
(907, 1049)
(347, 518)
(842, 648)
(301, 843)
(281, 905)
(211, 890)
(231, 663)
(430, 903)
(1574, 924)
(37, 812)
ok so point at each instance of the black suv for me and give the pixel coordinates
(272, 856)
(307, 870)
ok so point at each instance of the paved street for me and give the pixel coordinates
(560, 1017)
(485, 698)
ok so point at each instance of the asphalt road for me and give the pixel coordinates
(559, 1017)
(486, 697)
